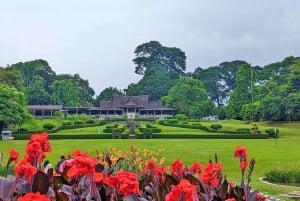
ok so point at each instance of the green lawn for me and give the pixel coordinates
(268, 153)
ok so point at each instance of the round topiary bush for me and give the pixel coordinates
(90, 121)
(216, 126)
(66, 123)
(272, 132)
(243, 130)
(48, 126)
(78, 122)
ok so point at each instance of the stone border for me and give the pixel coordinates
(295, 195)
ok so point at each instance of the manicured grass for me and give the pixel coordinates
(267, 153)
(264, 151)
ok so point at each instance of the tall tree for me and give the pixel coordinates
(84, 92)
(107, 94)
(155, 83)
(243, 93)
(211, 80)
(32, 68)
(160, 66)
(171, 58)
(12, 106)
(12, 78)
(36, 93)
(64, 92)
(189, 97)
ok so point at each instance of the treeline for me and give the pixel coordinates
(232, 89)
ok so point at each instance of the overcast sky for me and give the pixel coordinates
(97, 38)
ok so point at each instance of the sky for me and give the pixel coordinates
(97, 38)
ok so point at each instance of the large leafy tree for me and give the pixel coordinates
(243, 93)
(83, 91)
(12, 78)
(160, 66)
(171, 58)
(32, 68)
(12, 106)
(219, 80)
(189, 97)
(107, 94)
(211, 80)
(36, 93)
(64, 92)
(155, 83)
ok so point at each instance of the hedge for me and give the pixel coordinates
(142, 136)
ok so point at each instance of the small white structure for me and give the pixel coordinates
(7, 135)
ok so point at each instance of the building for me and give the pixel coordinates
(120, 106)
(44, 110)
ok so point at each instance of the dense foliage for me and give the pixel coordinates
(237, 89)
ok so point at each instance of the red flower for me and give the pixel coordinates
(243, 164)
(112, 181)
(82, 164)
(34, 197)
(184, 188)
(150, 165)
(25, 169)
(241, 152)
(177, 168)
(260, 197)
(13, 155)
(211, 174)
(126, 182)
(98, 177)
(230, 199)
(195, 168)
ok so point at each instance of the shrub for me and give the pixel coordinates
(172, 121)
(78, 122)
(181, 117)
(216, 126)
(284, 174)
(90, 121)
(22, 129)
(243, 130)
(48, 126)
(66, 123)
(271, 132)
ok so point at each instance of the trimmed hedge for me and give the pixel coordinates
(142, 136)
(48, 126)
(211, 136)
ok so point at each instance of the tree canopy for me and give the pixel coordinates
(189, 97)
(12, 106)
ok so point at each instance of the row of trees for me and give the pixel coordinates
(232, 89)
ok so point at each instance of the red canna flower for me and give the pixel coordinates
(211, 174)
(195, 168)
(98, 177)
(34, 197)
(150, 165)
(230, 199)
(25, 169)
(177, 168)
(13, 155)
(260, 197)
(183, 190)
(82, 164)
(243, 164)
(241, 152)
(112, 181)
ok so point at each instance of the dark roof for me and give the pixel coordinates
(126, 101)
(138, 101)
(44, 107)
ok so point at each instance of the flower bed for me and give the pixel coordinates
(118, 175)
